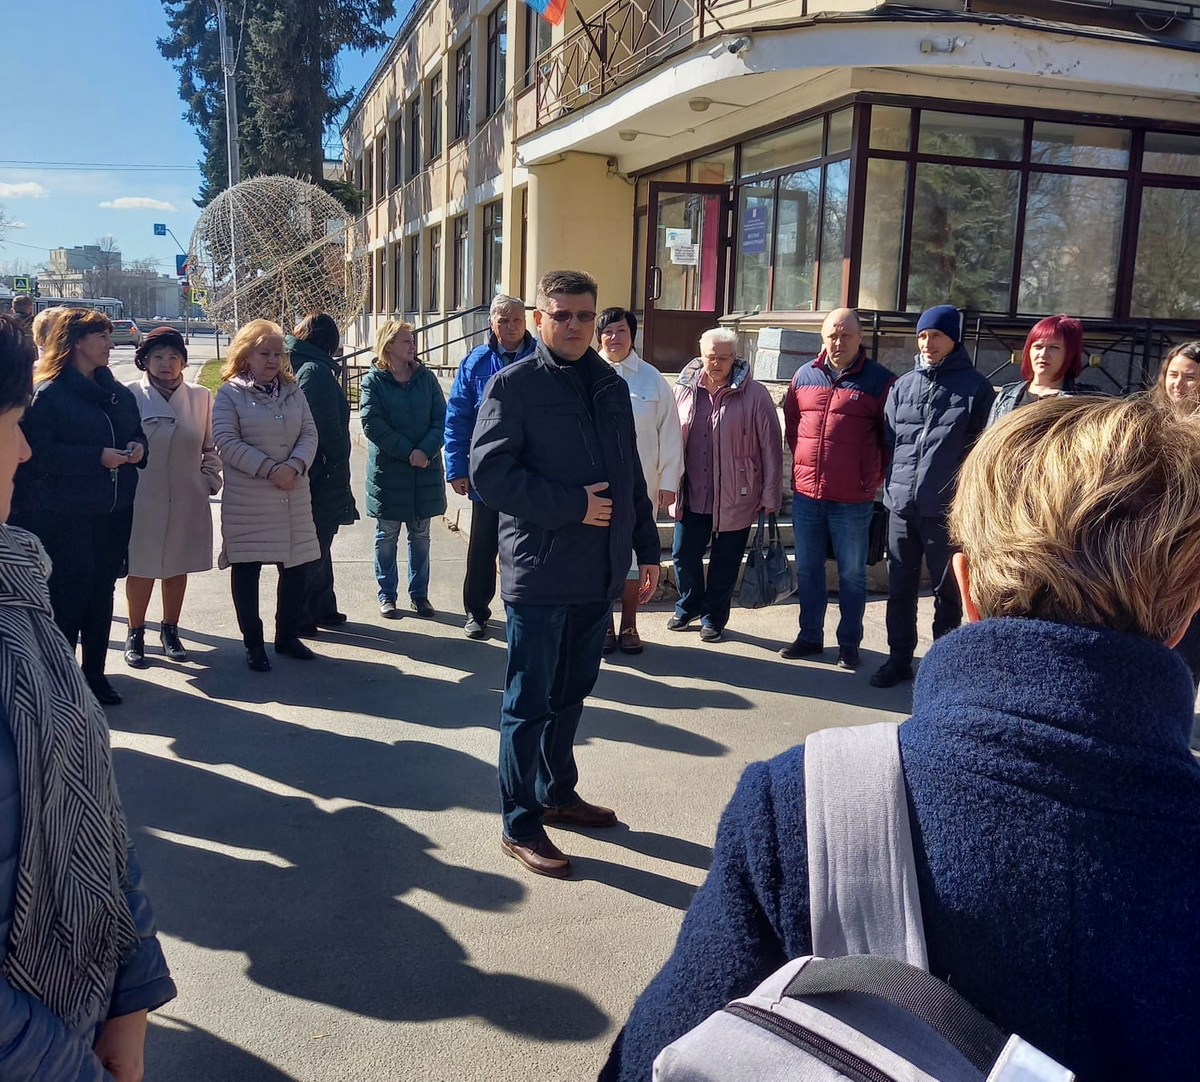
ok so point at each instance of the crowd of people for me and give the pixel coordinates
(1065, 534)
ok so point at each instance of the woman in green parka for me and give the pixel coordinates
(403, 414)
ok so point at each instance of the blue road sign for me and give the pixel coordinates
(180, 264)
(160, 229)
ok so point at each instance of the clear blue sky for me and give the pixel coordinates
(86, 90)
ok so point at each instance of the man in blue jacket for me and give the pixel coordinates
(555, 453)
(507, 341)
(931, 420)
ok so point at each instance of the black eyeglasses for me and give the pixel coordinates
(566, 317)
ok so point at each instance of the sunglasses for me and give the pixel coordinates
(566, 317)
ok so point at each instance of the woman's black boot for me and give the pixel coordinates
(135, 647)
(172, 647)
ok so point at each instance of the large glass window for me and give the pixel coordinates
(1072, 244)
(796, 239)
(497, 55)
(415, 160)
(397, 258)
(756, 227)
(462, 92)
(1079, 146)
(538, 37)
(1168, 152)
(780, 149)
(414, 273)
(397, 152)
(961, 135)
(963, 229)
(433, 123)
(833, 235)
(890, 127)
(493, 247)
(883, 235)
(462, 268)
(434, 291)
(1166, 282)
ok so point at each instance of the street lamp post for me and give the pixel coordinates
(228, 67)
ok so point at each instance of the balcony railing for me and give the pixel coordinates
(627, 37)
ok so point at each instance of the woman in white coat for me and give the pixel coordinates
(172, 524)
(267, 442)
(659, 444)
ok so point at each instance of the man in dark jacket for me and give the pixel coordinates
(310, 350)
(507, 341)
(932, 418)
(833, 424)
(554, 452)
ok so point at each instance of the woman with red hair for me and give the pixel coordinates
(1050, 362)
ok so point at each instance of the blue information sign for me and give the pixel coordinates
(160, 229)
(754, 230)
(180, 264)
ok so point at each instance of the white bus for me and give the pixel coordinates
(110, 306)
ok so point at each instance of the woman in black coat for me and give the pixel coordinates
(311, 347)
(85, 433)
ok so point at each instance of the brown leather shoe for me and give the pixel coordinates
(582, 814)
(543, 857)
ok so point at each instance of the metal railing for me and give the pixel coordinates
(352, 374)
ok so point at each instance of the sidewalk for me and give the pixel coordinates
(321, 842)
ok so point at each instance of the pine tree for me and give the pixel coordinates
(286, 79)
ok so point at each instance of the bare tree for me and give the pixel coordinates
(6, 224)
(100, 280)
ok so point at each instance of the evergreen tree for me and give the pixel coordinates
(286, 79)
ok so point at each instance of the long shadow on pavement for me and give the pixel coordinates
(314, 901)
(182, 1052)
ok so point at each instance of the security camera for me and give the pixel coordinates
(739, 45)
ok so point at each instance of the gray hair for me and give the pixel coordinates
(719, 336)
(502, 303)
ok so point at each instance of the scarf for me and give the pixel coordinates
(165, 387)
(269, 390)
(71, 926)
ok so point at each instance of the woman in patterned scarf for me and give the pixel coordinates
(81, 963)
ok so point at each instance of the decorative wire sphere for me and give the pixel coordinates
(277, 248)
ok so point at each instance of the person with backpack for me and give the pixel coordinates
(1053, 800)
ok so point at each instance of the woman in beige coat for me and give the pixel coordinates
(172, 524)
(267, 442)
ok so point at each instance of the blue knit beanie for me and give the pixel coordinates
(944, 318)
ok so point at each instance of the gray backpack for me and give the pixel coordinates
(863, 1006)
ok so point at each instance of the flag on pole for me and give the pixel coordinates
(550, 10)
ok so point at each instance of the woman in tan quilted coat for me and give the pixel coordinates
(266, 438)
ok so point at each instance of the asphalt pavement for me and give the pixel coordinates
(321, 842)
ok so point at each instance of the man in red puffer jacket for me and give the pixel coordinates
(833, 423)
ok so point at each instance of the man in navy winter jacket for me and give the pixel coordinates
(933, 416)
(833, 424)
(507, 341)
(555, 453)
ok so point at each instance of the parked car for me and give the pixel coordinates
(125, 333)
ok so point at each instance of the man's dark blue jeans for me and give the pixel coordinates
(848, 525)
(553, 662)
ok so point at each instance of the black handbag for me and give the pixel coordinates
(769, 574)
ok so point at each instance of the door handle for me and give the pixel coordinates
(656, 283)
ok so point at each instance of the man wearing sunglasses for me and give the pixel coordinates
(554, 452)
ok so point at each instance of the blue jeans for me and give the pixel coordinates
(387, 534)
(553, 662)
(814, 523)
(709, 600)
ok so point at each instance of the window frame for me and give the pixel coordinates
(462, 91)
(496, 87)
(433, 127)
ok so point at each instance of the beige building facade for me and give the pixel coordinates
(758, 163)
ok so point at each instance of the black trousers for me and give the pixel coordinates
(483, 546)
(910, 539)
(289, 597)
(89, 553)
(320, 600)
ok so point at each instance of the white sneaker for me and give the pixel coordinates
(388, 609)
